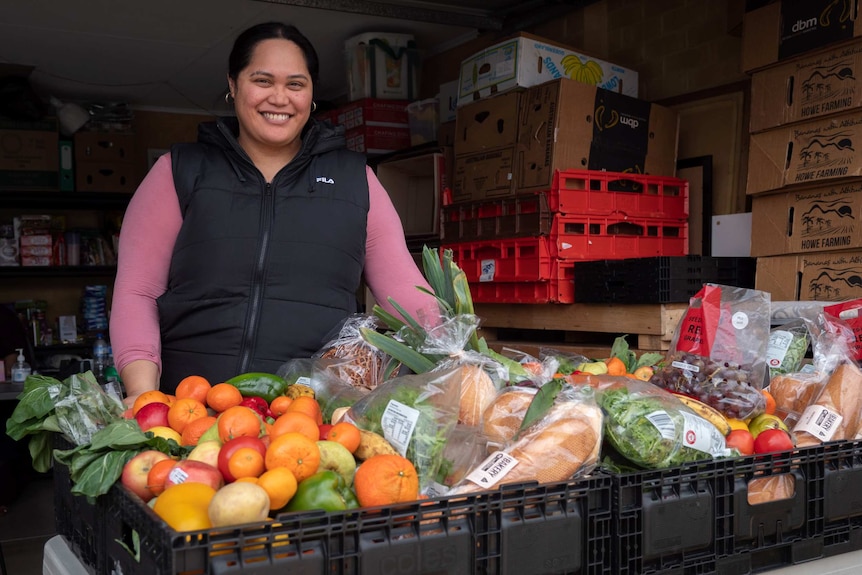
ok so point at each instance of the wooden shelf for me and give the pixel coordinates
(33, 200)
(56, 271)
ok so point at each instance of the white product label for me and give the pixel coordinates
(398, 422)
(739, 320)
(493, 469)
(489, 269)
(685, 366)
(776, 348)
(819, 421)
(663, 423)
(434, 489)
(178, 475)
(701, 435)
(303, 380)
(504, 68)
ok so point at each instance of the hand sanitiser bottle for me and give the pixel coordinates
(21, 369)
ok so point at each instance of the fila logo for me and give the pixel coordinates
(323, 180)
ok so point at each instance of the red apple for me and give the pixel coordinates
(135, 471)
(231, 446)
(190, 471)
(324, 430)
(152, 415)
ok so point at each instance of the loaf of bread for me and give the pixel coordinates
(477, 393)
(503, 416)
(794, 392)
(842, 394)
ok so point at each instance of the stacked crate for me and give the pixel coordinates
(805, 157)
(552, 175)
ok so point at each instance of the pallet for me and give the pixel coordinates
(650, 327)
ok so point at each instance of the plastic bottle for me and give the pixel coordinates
(100, 358)
(21, 369)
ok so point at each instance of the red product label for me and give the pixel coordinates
(699, 326)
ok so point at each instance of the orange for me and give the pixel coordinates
(184, 411)
(308, 406)
(279, 405)
(385, 480)
(149, 397)
(157, 475)
(245, 462)
(222, 396)
(616, 366)
(298, 422)
(346, 434)
(280, 484)
(193, 431)
(184, 506)
(238, 421)
(294, 451)
(193, 386)
(770, 402)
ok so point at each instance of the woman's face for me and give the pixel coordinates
(273, 97)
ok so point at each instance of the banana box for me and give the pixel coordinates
(526, 60)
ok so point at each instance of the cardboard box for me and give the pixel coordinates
(826, 276)
(820, 84)
(29, 155)
(104, 147)
(788, 28)
(487, 124)
(448, 98)
(378, 139)
(105, 177)
(526, 60)
(568, 125)
(806, 153)
(812, 220)
(423, 118)
(373, 112)
(416, 186)
(382, 65)
(485, 174)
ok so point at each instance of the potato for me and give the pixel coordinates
(371, 444)
(237, 503)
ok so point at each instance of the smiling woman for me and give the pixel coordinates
(246, 249)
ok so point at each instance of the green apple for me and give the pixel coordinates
(335, 457)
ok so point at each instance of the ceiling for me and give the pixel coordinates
(172, 54)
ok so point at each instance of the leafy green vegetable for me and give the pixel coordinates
(541, 403)
(620, 349)
(632, 428)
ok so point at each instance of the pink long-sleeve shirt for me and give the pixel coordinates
(150, 227)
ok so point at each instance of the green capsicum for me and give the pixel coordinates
(257, 384)
(324, 490)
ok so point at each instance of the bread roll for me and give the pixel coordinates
(477, 393)
(842, 394)
(793, 393)
(502, 418)
(772, 488)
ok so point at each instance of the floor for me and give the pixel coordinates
(26, 525)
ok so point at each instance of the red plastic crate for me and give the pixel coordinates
(558, 289)
(505, 260)
(515, 216)
(605, 193)
(584, 237)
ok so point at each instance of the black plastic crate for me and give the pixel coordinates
(520, 529)
(78, 520)
(662, 279)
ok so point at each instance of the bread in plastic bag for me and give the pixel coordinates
(366, 363)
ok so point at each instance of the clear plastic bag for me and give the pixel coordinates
(416, 414)
(332, 389)
(787, 346)
(718, 351)
(365, 363)
(562, 444)
(649, 427)
(82, 407)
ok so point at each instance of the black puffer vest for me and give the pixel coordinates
(260, 273)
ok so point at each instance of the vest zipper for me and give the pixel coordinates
(253, 316)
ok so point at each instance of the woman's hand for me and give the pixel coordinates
(139, 376)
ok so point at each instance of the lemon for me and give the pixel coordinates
(166, 432)
(737, 424)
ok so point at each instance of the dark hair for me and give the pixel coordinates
(247, 41)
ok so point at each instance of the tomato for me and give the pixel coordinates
(231, 446)
(770, 440)
(741, 440)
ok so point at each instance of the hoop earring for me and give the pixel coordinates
(313, 106)
(228, 97)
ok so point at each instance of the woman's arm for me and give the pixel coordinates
(389, 268)
(149, 231)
